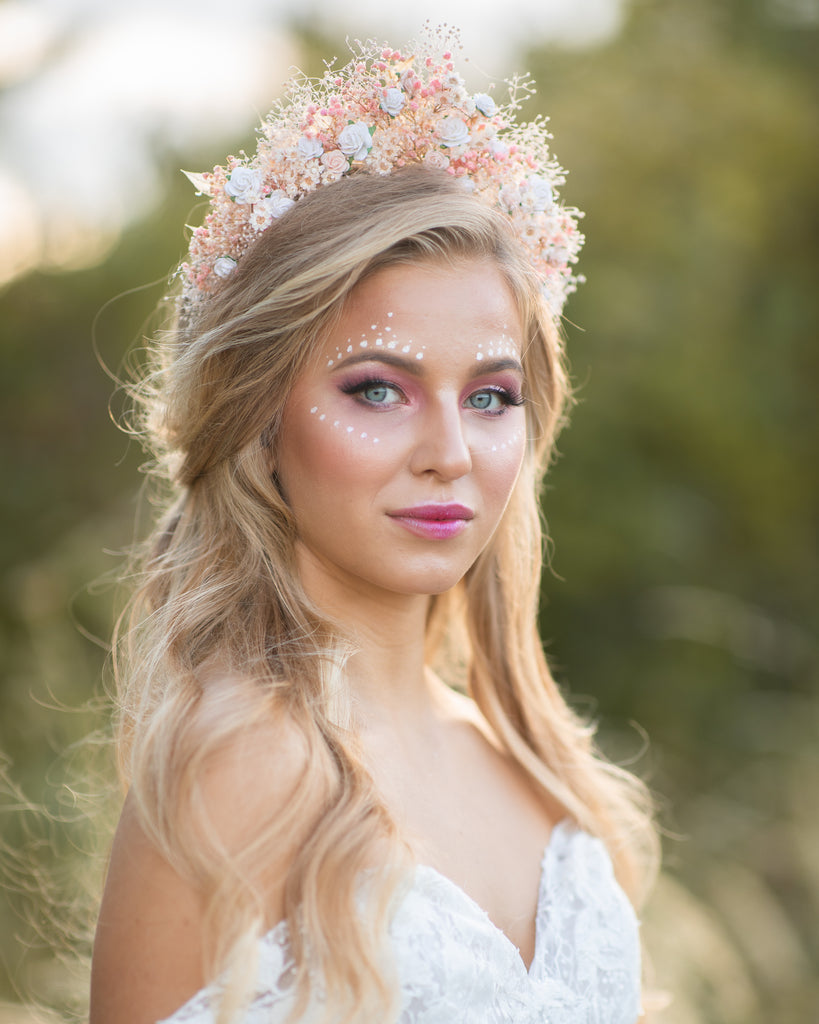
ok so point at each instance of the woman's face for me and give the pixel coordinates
(399, 449)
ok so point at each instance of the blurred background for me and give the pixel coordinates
(681, 608)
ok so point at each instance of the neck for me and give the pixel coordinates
(386, 673)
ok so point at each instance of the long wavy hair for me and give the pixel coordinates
(220, 636)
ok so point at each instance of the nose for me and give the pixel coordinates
(442, 448)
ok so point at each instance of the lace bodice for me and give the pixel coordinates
(456, 967)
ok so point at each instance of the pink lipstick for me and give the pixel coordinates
(438, 522)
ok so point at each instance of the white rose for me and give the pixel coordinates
(355, 141)
(393, 101)
(224, 266)
(485, 104)
(310, 148)
(277, 203)
(539, 195)
(436, 160)
(498, 149)
(335, 162)
(244, 184)
(452, 131)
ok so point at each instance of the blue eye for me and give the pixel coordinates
(493, 400)
(484, 400)
(374, 392)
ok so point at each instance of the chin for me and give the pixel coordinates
(430, 584)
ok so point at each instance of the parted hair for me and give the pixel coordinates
(219, 636)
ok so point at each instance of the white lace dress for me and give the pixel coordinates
(456, 967)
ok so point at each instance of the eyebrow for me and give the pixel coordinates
(416, 368)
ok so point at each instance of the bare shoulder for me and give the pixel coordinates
(254, 776)
(147, 954)
(148, 951)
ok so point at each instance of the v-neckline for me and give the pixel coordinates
(559, 827)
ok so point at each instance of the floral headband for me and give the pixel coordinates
(383, 110)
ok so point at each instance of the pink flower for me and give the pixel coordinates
(335, 162)
(409, 82)
(436, 160)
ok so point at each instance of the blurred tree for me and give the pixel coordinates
(684, 509)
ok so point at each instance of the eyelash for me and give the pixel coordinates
(508, 398)
(359, 387)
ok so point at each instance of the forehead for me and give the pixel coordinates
(469, 301)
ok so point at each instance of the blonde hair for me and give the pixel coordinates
(218, 597)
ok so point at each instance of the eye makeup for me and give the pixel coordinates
(389, 370)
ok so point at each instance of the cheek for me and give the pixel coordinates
(503, 438)
(326, 449)
(498, 461)
(340, 423)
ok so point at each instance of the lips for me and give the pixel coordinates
(438, 522)
(435, 513)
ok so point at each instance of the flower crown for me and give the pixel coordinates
(384, 110)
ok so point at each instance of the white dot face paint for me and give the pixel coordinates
(339, 353)
(501, 347)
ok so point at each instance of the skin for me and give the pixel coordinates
(450, 429)
(445, 428)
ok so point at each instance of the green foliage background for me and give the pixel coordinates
(683, 591)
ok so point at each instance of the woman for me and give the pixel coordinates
(354, 408)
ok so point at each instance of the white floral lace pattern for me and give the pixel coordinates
(457, 967)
